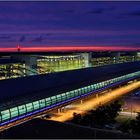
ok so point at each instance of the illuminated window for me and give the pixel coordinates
(97, 86)
(114, 80)
(14, 112)
(92, 87)
(82, 90)
(72, 93)
(36, 105)
(21, 109)
(85, 89)
(63, 96)
(68, 95)
(29, 107)
(89, 88)
(100, 85)
(48, 101)
(53, 99)
(76, 92)
(5, 115)
(79, 91)
(42, 103)
(58, 98)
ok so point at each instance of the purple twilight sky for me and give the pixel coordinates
(69, 24)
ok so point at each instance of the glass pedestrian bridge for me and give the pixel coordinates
(24, 110)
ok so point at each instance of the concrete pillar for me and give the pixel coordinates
(63, 109)
(110, 90)
(87, 58)
(58, 110)
(97, 95)
(81, 101)
(30, 63)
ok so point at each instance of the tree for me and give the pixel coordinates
(132, 126)
(113, 110)
(105, 114)
(101, 116)
(76, 118)
(86, 120)
(135, 125)
(125, 127)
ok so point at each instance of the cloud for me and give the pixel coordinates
(135, 13)
(69, 11)
(38, 39)
(101, 10)
(97, 11)
(136, 44)
(5, 37)
(22, 39)
(111, 8)
(129, 14)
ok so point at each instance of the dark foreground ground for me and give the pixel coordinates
(38, 128)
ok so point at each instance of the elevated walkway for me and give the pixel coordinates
(30, 95)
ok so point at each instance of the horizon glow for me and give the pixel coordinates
(68, 49)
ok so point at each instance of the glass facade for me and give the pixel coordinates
(49, 64)
(57, 63)
(12, 70)
(31, 107)
(101, 61)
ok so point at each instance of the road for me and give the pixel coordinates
(128, 114)
(95, 102)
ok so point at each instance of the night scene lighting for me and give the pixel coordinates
(69, 69)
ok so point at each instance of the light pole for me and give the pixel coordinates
(131, 106)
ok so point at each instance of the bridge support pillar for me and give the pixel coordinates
(87, 58)
(63, 109)
(30, 63)
(110, 90)
(81, 101)
(59, 110)
(97, 95)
